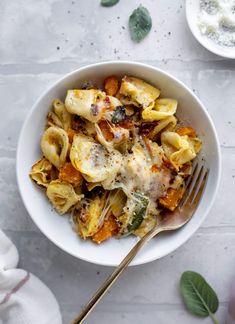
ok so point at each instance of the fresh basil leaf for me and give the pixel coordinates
(199, 298)
(140, 24)
(108, 3)
(119, 115)
(140, 211)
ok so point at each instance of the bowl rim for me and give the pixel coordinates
(155, 69)
(200, 38)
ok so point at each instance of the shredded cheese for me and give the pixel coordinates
(216, 20)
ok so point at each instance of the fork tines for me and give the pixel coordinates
(194, 186)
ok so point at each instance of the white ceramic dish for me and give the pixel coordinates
(192, 12)
(57, 228)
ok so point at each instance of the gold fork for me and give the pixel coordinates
(169, 221)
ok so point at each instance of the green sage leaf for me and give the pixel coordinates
(199, 298)
(119, 115)
(140, 24)
(108, 3)
(141, 204)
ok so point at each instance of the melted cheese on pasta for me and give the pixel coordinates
(130, 155)
(137, 173)
(93, 160)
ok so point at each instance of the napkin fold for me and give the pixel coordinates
(24, 299)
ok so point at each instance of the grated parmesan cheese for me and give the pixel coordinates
(217, 21)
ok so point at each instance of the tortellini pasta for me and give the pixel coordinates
(137, 92)
(168, 123)
(117, 202)
(62, 195)
(179, 149)
(41, 172)
(115, 158)
(55, 145)
(118, 135)
(59, 116)
(162, 109)
(114, 102)
(93, 160)
(86, 103)
(88, 214)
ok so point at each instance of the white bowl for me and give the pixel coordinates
(192, 12)
(57, 228)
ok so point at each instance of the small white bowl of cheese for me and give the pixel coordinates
(212, 22)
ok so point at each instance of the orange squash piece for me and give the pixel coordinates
(111, 85)
(106, 130)
(186, 131)
(171, 200)
(71, 132)
(68, 173)
(155, 168)
(108, 229)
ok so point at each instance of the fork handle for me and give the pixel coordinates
(113, 277)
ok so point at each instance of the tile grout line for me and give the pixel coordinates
(130, 307)
(59, 67)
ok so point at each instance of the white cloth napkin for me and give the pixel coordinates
(24, 299)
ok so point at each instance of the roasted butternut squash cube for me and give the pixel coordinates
(109, 228)
(172, 198)
(68, 173)
(111, 85)
(71, 132)
(189, 131)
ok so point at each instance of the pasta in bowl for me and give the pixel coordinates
(115, 157)
(114, 154)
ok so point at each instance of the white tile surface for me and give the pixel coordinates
(41, 41)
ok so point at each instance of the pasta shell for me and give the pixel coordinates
(136, 92)
(118, 135)
(62, 113)
(62, 195)
(163, 108)
(85, 103)
(93, 160)
(41, 172)
(55, 145)
(114, 102)
(53, 120)
(168, 123)
(117, 202)
(179, 149)
(87, 215)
